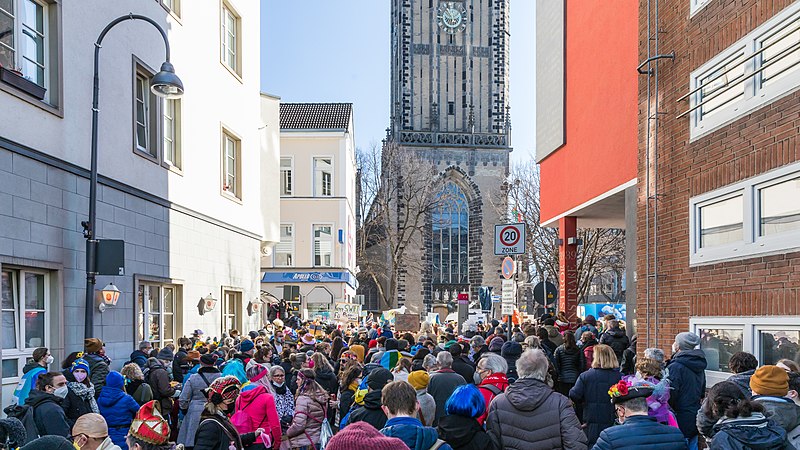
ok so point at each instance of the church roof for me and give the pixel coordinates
(315, 116)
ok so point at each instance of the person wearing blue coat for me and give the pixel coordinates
(117, 407)
(591, 392)
(638, 429)
(687, 377)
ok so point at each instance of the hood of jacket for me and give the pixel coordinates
(110, 396)
(153, 364)
(527, 394)
(412, 432)
(458, 431)
(616, 332)
(755, 432)
(694, 360)
(249, 395)
(30, 366)
(372, 400)
(780, 409)
(37, 398)
(551, 330)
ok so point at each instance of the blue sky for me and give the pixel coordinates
(338, 51)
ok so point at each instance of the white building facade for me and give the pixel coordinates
(180, 180)
(313, 266)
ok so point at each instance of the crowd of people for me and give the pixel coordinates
(308, 386)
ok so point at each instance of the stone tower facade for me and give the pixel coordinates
(450, 67)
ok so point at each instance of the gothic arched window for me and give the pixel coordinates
(450, 222)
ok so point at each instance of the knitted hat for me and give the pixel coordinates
(363, 436)
(511, 349)
(209, 359)
(450, 344)
(391, 344)
(165, 354)
(193, 355)
(92, 425)
(80, 363)
(373, 343)
(378, 378)
(308, 339)
(246, 345)
(253, 334)
(115, 380)
(12, 431)
(496, 345)
(687, 340)
(149, 425)
(359, 351)
(92, 345)
(629, 388)
(419, 379)
(770, 380)
(227, 387)
(50, 443)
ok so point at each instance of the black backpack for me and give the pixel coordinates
(24, 413)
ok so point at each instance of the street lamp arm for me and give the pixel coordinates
(131, 16)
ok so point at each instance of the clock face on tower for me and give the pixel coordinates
(452, 17)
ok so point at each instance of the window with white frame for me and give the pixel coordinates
(145, 114)
(284, 250)
(697, 5)
(156, 318)
(172, 132)
(758, 69)
(172, 5)
(323, 177)
(231, 165)
(230, 39)
(286, 176)
(25, 316)
(756, 216)
(323, 246)
(231, 311)
(770, 339)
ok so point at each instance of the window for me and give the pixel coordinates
(721, 222)
(156, 321)
(286, 176)
(323, 246)
(172, 5)
(756, 216)
(231, 165)
(776, 345)
(718, 345)
(758, 69)
(145, 114)
(450, 226)
(697, 5)
(231, 45)
(323, 177)
(779, 208)
(231, 311)
(284, 250)
(172, 132)
(451, 108)
(25, 317)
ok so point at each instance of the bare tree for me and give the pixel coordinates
(602, 249)
(398, 192)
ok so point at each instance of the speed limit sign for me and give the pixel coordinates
(509, 239)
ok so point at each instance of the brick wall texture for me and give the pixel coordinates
(763, 140)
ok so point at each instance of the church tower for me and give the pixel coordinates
(450, 67)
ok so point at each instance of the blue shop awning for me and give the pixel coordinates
(310, 277)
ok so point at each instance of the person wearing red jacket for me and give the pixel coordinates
(490, 376)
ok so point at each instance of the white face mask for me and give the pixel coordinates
(61, 392)
(49, 360)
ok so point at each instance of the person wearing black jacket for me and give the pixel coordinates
(461, 363)
(615, 338)
(569, 363)
(371, 412)
(51, 389)
(327, 379)
(180, 365)
(216, 432)
(628, 363)
(479, 347)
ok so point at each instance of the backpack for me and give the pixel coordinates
(24, 413)
(241, 420)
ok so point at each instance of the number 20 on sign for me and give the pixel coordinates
(509, 239)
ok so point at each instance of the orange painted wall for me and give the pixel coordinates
(602, 52)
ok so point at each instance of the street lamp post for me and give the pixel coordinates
(164, 84)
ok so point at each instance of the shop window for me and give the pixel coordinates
(156, 318)
(25, 317)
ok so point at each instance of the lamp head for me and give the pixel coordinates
(165, 83)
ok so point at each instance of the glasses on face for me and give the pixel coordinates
(278, 376)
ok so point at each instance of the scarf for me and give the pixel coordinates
(280, 390)
(85, 393)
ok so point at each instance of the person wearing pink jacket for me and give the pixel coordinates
(259, 405)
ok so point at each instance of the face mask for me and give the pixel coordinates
(477, 378)
(278, 384)
(49, 360)
(79, 376)
(61, 392)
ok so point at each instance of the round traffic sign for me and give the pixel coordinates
(508, 267)
(509, 236)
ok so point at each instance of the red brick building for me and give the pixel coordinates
(718, 247)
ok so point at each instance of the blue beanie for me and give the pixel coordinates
(80, 363)
(246, 346)
(115, 380)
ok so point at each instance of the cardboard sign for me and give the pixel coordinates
(406, 322)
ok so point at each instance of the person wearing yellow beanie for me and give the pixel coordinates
(419, 380)
(770, 385)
